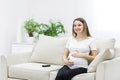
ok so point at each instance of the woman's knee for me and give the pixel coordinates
(59, 77)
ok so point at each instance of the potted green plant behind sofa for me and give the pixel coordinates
(53, 29)
(31, 27)
(35, 29)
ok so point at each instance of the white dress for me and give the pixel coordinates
(83, 46)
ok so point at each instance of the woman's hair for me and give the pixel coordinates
(85, 27)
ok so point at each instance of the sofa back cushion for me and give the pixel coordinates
(105, 43)
(49, 50)
(105, 51)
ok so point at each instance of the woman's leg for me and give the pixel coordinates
(65, 73)
(69, 74)
(61, 72)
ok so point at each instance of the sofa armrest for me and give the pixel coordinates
(109, 70)
(17, 58)
(11, 59)
(3, 68)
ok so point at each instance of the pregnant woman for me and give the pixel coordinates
(80, 49)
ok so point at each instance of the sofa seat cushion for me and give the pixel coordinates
(16, 79)
(85, 76)
(32, 71)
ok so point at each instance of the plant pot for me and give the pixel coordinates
(30, 39)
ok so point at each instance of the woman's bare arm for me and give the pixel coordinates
(66, 53)
(66, 59)
(87, 56)
(92, 56)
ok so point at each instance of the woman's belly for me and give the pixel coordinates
(78, 62)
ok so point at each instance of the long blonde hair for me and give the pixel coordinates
(85, 27)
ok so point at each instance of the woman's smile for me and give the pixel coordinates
(78, 26)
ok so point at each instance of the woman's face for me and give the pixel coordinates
(78, 27)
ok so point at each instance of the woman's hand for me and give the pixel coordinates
(68, 62)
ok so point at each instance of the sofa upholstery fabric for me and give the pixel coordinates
(86, 76)
(102, 56)
(105, 43)
(3, 68)
(33, 71)
(49, 50)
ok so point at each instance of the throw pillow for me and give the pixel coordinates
(49, 50)
(102, 56)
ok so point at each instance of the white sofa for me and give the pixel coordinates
(48, 50)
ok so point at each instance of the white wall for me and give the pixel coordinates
(64, 10)
(106, 19)
(102, 17)
(11, 14)
(14, 12)
(44, 10)
(85, 10)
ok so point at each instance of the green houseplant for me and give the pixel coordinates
(31, 27)
(35, 29)
(53, 29)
